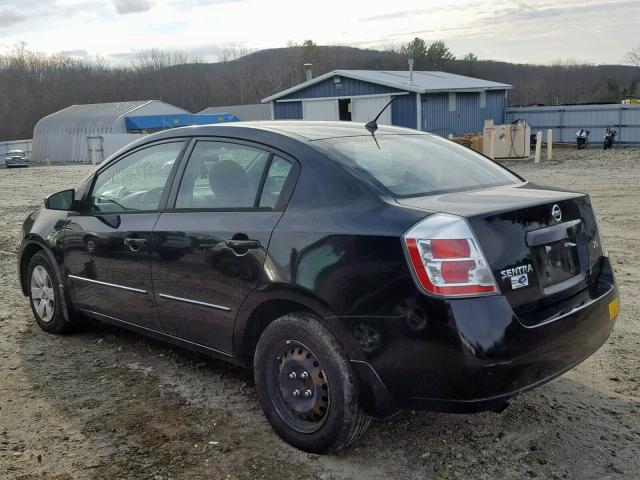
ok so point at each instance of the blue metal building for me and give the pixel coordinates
(436, 102)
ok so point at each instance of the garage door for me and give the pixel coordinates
(365, 109)
(320, 110)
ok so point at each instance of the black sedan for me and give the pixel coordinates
(357, 274)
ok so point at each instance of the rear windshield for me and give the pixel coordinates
(413, 165)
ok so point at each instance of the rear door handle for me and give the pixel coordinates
(243, 244)
(135, 244)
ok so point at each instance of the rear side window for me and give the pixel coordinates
(413, 165)
(274, 183)
(222, 175)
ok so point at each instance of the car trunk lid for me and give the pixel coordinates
(542, 244)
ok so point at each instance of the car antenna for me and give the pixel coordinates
(372, 125)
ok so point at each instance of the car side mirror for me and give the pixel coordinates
(64, 200)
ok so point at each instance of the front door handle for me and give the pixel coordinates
(243, 244)
(135, 244)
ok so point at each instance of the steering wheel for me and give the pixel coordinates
(152, 196)
(103, 200)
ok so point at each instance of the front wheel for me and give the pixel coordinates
(45, 296)
(306, 386)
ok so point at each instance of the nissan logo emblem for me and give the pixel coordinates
(556, 213)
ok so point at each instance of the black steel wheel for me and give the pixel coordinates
(306, 386)
(301, 390)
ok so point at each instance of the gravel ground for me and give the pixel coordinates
(106, 403)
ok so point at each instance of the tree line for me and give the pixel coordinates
(33, 84)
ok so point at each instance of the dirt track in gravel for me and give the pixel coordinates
(108, 404)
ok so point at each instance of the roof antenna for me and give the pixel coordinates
(372, 125)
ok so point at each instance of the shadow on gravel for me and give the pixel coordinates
(151, 409)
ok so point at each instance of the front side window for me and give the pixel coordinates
(222, 175)
(135, 182)
(412, 165)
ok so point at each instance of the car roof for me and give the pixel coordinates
(303, 130)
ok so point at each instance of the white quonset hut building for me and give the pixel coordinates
(246, 113)
(436, 102)
(90, 133)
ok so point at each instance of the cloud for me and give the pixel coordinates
(74, 53)
(10, 15)
(396, 15)
(124, 7)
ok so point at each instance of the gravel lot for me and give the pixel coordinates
(106, 403)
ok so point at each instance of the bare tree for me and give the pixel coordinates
(470, 57)
(634, 56)
(234, 51)
(155, 59)
(33, 84)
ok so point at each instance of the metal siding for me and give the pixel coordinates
(287, 111)
(566, 120)
(364, 109)
(435, 110)
(62, 136)
(321, 110)
(496, 103)
(468, 117)
(350, 87)
(404, 111)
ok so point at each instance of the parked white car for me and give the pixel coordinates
(16, 158)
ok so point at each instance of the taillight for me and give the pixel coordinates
(446, 258)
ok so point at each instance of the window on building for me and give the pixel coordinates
(452, 101)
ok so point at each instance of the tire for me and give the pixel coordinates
(45, 298)
(331, 418)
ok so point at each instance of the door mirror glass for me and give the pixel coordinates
(64, 200)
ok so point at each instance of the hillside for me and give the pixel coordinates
(33, 85)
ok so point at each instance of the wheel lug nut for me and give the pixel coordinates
(307, 393)
(292, 375)
(304, 375)
(296, 393)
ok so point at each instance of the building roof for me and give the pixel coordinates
(245, 113)
(423, 82)
(94, 115)
(64, 136)
(299, 129)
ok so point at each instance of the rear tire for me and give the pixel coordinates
(45, 297)
(296, 353)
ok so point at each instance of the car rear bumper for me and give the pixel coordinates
(15, 163)
(475, 354)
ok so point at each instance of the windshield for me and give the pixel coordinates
(412, 165)
(15, 152)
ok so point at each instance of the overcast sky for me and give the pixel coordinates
(539, 31)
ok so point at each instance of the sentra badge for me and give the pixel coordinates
(516, 271)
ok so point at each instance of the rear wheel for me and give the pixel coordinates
(306, 385)
(44, 295)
